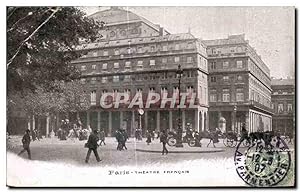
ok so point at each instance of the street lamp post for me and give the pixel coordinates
(234, 118)
(179, 73)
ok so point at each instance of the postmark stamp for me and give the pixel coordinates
(261, 164)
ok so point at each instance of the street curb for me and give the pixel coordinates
(153, 151)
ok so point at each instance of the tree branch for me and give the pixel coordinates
(29, 37)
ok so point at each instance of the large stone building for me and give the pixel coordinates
(239, 85)
(283, 100)
(137, 56)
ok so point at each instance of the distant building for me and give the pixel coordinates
(239, 85)
(137, 56)
(283, 100)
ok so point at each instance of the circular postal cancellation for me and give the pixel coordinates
(263, 163)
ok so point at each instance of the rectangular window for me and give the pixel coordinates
(83, 68)
(289, 107)
(165, 48)
(152, 89)
(226, 97)
(213, 97)
(129, 50)
(177, 47)
(95, 53)
(165, 75)
(104, 80)
(93, 98)
(225, 64)
(164, 60)
(127, 78)
(239, 64)
(152, 49)
(189, 59)
(152, 62)
(140, 64)
(213, 79)
(93, 80)
(213, 65)
(239, 96)
(127, 64)
(94, 67)
(177, 59)
(104, 66)
(140, 50)
(239, 78)
(280, 108)
(117, 52)
(139, 91)
(225, 78)
(105, 53)
(116, 78)
(116, 65)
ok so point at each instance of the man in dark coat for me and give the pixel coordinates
(26, 143)
(163, 140)
(92, 145)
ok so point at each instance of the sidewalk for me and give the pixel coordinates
(156, 147)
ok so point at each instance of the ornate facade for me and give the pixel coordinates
(283, 100)
(239, 85)
(137, 56)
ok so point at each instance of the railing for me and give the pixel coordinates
(261, 106)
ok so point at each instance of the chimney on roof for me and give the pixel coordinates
(161, 31)
(114, 8)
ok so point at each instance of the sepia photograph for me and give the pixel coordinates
(150, 96)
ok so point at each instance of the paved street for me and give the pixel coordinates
(74, 152)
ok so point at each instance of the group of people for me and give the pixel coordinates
(75, 130)
(121, 137)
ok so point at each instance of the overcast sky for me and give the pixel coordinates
(270, 30)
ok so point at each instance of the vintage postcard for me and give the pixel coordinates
(150, 96)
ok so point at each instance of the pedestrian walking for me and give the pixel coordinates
(163, 140)
(119, 138)
(26, 143)
(102, 137)
(92, 145)
(148, 136)
(124, 138)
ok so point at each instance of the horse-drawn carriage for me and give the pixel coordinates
(230, 139)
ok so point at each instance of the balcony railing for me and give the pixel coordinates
(261, 106)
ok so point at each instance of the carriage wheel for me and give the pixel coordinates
(225, 142)
(231, 142)
(246, 143)
(171, 141)
(192, 142)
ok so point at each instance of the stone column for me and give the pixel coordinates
(29, 123)
(170, 120)
(146, 121)
(33, 122)
(232, 121)
(109, 123)
(207, 121)
(203, 121)
(99, 120)
(158, 121)
(47, 125)
(133, 123)
(247, 122)
(183, 120)
(88, 119)
(197, 120)
(121, 119)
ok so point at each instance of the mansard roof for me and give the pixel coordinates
(116, 15)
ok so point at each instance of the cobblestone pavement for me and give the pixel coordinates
(73, 151)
